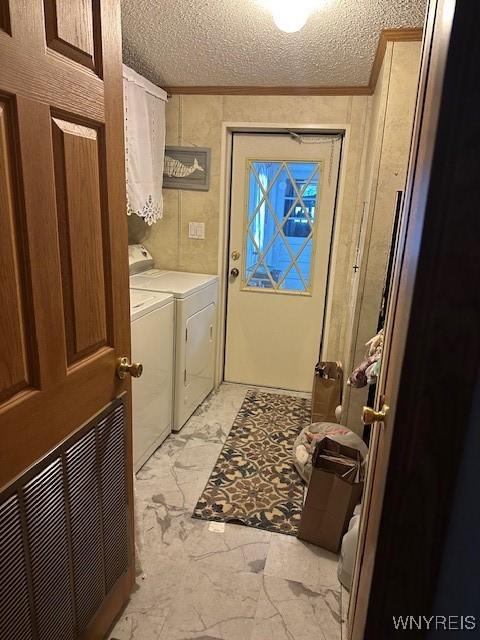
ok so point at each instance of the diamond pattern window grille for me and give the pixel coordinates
(281, 218)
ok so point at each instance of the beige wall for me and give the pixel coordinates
(197, 120)
(387, 151)
(373, 168)
(372, 146)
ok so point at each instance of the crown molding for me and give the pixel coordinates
(255, 90)
(387, 35)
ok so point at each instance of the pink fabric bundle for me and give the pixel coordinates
(365, 373)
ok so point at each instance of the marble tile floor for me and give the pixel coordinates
(344, 603)
(237, 584)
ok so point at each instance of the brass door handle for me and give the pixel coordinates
(234, 272)
(124, 368)
(369, 415)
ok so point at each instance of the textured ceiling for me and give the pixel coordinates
(235, 42)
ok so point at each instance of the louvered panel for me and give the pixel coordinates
(64, 535)
(15, 622)
(48, 543)
(113, 483)
(86, 527)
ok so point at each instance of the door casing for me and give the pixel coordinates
(252, 355)
(228, 129)
(434, 315)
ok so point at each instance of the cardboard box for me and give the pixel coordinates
(327, 391)
(335, 489)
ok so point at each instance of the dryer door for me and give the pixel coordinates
(199, 357)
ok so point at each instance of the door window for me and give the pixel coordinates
(281, 216)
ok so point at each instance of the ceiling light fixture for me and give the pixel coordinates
(290, 15)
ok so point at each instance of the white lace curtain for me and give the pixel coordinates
(144, 145)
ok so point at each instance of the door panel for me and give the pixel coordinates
(16, 366)
(39, 244)
(70, 30)
(4, 17)
(64, 314)
(79, 210)
(282, 211)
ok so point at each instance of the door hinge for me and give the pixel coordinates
(186, 335)
(185, 376)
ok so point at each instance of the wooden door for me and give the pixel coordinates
(65, 428)
(282, 213)
(392, 443)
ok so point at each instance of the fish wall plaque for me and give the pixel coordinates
(187, 168)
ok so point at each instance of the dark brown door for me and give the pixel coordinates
(405, 420)
(65, 427)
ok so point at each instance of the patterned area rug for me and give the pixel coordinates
(254, 481)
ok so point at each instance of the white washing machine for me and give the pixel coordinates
(196, 299)
(152, 323)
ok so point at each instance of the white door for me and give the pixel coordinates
(282, 210)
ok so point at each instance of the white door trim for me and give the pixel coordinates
(228, 129)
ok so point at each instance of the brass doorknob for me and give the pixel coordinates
(234, 272)
(124, 368)
(369, 415)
